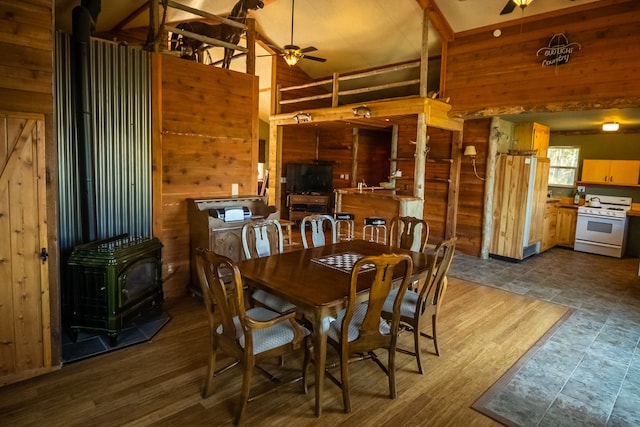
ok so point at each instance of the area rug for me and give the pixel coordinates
(501, 404)
(92, 343)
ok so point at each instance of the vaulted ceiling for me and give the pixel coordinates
(351, 34)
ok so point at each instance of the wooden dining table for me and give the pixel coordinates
(317, 281)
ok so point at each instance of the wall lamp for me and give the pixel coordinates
(610, 126)
(470, 151)
(302, 117)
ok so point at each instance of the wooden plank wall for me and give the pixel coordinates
(206, 139)
(491, 76)
(26, 86)
(471, 190)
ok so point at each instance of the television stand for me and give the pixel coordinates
(301, 205)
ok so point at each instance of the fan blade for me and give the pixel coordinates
(314, 58)
(308, 49)
(508, 8)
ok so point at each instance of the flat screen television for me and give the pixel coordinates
(309, 178)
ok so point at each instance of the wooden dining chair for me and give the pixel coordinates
(262, 238)
(408, 232)
(359, 328)
(248, 336)
(425, 302)
(316, 225)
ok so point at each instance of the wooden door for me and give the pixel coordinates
(594, 170)
(25, 337)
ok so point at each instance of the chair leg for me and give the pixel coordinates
(434, 322)
(305, 365)
(344, 379)
(392, 373)
(210, 374)
(247, 375)
(416, 345)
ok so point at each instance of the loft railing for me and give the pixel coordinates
(335, 93)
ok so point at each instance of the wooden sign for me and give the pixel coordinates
(558, 52)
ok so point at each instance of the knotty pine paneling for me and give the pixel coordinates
(208, 141)
(484, 72)
(336, 145)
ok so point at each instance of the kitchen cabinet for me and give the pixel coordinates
(566, 226)
(531, 136)
(549, 228)
(612, 172)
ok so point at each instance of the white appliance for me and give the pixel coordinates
(602, 225)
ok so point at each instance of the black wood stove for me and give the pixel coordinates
(113, 281)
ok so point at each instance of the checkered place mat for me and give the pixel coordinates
(343, 262)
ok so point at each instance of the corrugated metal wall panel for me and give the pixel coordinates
(121, 121)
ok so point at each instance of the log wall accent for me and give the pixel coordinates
(205, 139)
(488, 76)
(26, 86)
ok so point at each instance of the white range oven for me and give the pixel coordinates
(602, 225)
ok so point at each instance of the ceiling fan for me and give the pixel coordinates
(293, 53)
(511, 5)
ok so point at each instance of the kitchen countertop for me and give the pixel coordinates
(375, 192)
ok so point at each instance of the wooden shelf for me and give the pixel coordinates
(439, 160)
(438, 180)
(393, 159)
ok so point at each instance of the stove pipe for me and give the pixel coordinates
(84, 20)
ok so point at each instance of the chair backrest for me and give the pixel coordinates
(435, 285)
(222, 292)
(369, 336)
(409, 233)
(262, 238)
(316, 228)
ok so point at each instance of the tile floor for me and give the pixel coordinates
(588, 372)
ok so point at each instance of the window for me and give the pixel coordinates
(563, 170)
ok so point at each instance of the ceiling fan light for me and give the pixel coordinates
(292, 56)
(522, 3)
(610, 126)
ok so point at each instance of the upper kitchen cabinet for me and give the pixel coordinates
(611, 172)
(531, 136)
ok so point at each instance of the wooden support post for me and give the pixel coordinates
(251, 46)
(421, 153)
(490, 177)
(153, 41)
(451, 224)
(424, 53)
(393, 163)
(354, 158)
(275, 164)
(336, 90)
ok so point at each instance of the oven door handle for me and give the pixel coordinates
(613, 218)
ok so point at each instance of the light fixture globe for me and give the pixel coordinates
(610, 126)
(291, 55)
